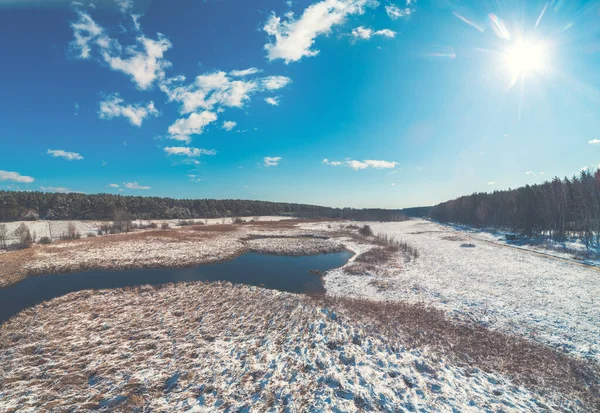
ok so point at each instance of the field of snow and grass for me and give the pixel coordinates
(548, 300)
(175, 247)
(54, 229)
(573, 248)
(445, 322)
(218, 347)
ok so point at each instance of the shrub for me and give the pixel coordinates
(365, 231)
(184, 223)
(238, 220)
(45, 240)
(3, 235)
(24, 235)
(153, 225)
(71, 233)
(122, 220)
(165, 225)
(91, 235)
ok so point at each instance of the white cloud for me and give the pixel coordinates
(86, 34)
(15, 177)
(395, 12)
(358, 165)
(245, 72)
(124, 5)
(529, 173)
(272, 100)
(492, 183)
(272, 161)
(594, 142)
(393, 184)
(144, 62)
(69, 156)
(275, 82)
(194, 178)
(188, 151)
(380, 164)
(183, 129)
(366, 33)
(113, 107)
(113, 185)
(216, 89)
(229, 125)
(135, 186)
(293, 39)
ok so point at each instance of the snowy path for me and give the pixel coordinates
(552, 301)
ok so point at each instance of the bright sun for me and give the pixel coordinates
(524, 58)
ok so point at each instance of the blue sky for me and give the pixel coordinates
(333, 102)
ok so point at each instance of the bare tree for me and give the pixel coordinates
(22, 232)
(122, 220)
(3, 236)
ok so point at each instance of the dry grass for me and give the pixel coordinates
(213, 228)
(526, 362)
(157, 349)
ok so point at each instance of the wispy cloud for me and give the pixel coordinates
(211, 93)
(135, 186)
(194, 178)
(229, 125)
(594, 142)
(188, 151)
(358, 165)
(15, 177)
(69, 156)
(492, 183)
(113, 107)
(273, 100)
(394, 12)
(271, 161)
(113, 185)
(124, 5)
(292, 39)
(366, 33)
(143, 61)
(245, 72)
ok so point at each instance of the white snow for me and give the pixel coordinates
(549, 300)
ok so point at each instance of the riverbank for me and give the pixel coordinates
(171, 248)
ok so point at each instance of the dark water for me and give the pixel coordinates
(284, 273)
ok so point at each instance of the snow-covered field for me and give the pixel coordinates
(218, 347)
(545, 299)
(54, 229)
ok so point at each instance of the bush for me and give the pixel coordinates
(122, 220)
(25, 240)
(153, 225)
(238, 220)
(71, 233)
(365, 231)
(91, 235)
(185, 222)
(45, 240)
(165, 225)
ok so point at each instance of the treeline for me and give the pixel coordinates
(16, 206)
(555, 209)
